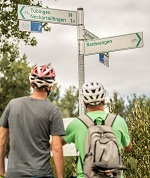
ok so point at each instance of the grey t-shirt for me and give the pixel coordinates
(31, 122)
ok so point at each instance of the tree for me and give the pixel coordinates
(9, 24)
(117, 104)
(54, 95)
(131, 100)
(137, 111)
(14, 81)
(137, 160)
(10, 35)
(69, 102)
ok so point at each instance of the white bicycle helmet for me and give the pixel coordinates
(42, 76)
(93, 93)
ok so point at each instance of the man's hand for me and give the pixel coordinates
(56, 146)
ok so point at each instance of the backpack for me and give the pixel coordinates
(101, 147)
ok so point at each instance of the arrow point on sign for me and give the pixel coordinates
(21, 12)
(139, 39)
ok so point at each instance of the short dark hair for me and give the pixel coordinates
(92, 106)
(42, 88)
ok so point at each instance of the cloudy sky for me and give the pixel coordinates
(128, 71)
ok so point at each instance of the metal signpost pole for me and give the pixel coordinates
(80, 16)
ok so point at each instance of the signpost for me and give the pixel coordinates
(88, 43)
(81, 39)
(35, 13)
(103, 57)
(116, 43)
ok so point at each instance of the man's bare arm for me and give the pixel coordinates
(56, 146)
(128, 148)
(4, 132)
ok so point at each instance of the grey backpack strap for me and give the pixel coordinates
(86, 120)
(110, 119)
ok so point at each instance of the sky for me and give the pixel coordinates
(128, 71)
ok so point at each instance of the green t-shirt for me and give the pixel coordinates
(76, 133)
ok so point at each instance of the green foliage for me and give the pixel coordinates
(69, 102)
(137, 111)
(9, 24)
(10, 36)
(143, 100)
(69, 166)
(138, 160)
(14, 80)
(117, 104)
(54, 95)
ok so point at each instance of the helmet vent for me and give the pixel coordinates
(85, 98)
(102, 95)
(34, 75)
(39, 81)
(87, 91)
(93, 91)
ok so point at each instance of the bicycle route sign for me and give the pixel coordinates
(30, 26)
(116, 43)
(35, 13)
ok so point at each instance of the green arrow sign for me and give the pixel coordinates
(21, 12)
(116, 43)
(35, 13)
(139, 41)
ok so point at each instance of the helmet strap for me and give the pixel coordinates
(48, 89)
(48, 92)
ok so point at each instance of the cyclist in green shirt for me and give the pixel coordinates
(93, 95)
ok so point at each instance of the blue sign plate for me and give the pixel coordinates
(36, 27)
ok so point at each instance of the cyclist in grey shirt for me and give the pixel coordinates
(28, 122)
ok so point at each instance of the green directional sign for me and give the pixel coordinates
(116, 43)
(35, 13)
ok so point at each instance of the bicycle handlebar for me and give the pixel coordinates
(104, 166)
